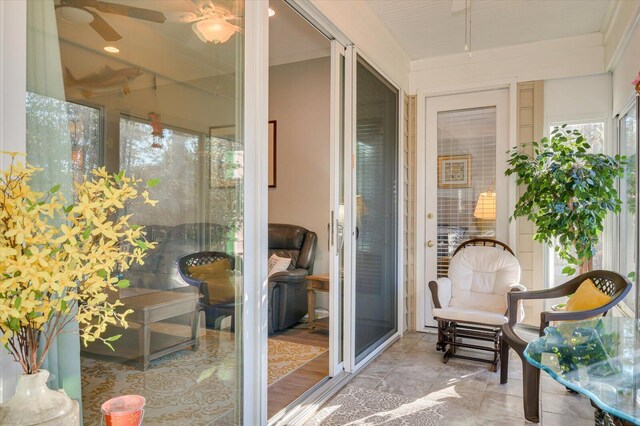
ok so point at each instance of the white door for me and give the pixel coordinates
(464, 190)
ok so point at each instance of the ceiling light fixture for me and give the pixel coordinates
(214, 30)
(271, 12)
(111, 49)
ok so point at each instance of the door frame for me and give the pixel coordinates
(423, 295)
(340, 111)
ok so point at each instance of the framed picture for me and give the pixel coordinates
(454, 171)
(226, 157)
(273, 160)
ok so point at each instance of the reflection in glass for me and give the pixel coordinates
(628, 237)
(149, 110)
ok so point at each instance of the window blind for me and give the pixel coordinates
(466, 179)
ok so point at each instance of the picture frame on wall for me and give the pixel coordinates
(454, 171)
(273, 160)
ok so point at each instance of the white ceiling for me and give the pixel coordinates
(428, 28)
(292, 38)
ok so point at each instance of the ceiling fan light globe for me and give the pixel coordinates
(75, 15)
(213, 30)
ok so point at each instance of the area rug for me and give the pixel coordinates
(360, 406)
(286, 357)
(186, 387)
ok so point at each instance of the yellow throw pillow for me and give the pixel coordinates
(218, 267)
(216, 276)
(220, 289)
(587, 297)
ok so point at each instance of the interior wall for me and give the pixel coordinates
(543, 60)
(625, 72)
(299, 100)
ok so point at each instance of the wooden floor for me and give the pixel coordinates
(286, 390)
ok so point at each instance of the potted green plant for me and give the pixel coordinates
(569, 191)
(59, 261)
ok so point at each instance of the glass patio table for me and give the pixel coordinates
(599, 358)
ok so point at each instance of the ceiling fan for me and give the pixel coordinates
(77, 11)
(210, 22)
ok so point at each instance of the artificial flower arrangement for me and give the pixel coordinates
(59, 261)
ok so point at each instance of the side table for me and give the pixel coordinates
(316, 283)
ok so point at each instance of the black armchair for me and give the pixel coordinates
(288, 289)
(610, 283)
(214, 313)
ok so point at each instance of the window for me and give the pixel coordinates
(594, 133)
(627, 222)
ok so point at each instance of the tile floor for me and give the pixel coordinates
(413, 369)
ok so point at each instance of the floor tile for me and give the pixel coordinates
(494, 404)
(404, 386)
(512, 387)
(413, 369)
(377, 369)
(552, 419)
(365, 382)
(574, 405)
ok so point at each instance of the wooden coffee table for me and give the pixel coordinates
(149, 307)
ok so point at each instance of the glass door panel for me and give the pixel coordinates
(466, 196)
(375, 205)
(158, 101)
(628, 235)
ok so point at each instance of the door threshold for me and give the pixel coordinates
(307, 404)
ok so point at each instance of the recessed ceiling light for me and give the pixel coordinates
(271, 12)
(112, 49)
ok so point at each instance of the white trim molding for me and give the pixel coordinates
(255, 306)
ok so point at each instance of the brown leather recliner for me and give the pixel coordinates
(288, 289)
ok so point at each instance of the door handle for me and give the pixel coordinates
(357, 232)
(430, 243)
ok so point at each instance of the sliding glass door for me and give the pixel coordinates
(125, 88)
(628, 217)
(374, 212)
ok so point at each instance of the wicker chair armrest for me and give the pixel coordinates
(440, 292)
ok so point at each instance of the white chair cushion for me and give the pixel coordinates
(470, 315)
(481, 276)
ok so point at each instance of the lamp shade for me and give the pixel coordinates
(214, 30)
(486, 207)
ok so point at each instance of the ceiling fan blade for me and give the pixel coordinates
(103, 28)
(130, 11)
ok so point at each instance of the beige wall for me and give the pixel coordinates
(299, 100)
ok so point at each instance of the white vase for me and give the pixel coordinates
(35, 404)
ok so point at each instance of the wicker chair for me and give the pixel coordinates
(471, 303)
(610, 283)
(213, 313)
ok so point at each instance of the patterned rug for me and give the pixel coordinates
(359, 406)
(185, 387)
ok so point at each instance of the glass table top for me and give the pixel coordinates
(599, 358)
